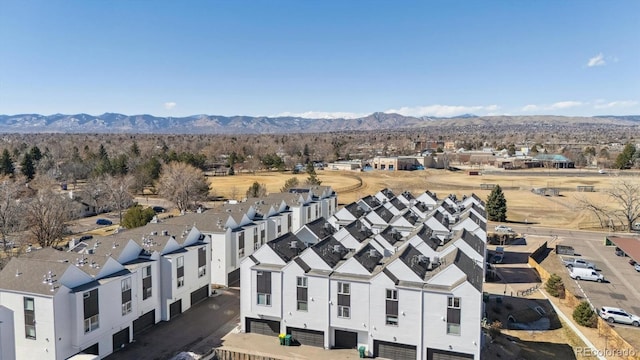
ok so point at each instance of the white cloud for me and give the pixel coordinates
(444, 110)
(565, 105)
(615, 104)
(597, 60)
(530, 107)
(170, 105)
(322, 115)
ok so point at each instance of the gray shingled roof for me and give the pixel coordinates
(321, 228)
(385, 214)
(426, 234)
(397, 204)
(330, 250)
(369, 257)
(391, 235)
(473, 241)
(415, 260)
(287, 246)
(371, 201)
(27, 275)
(358, 230)
(470, 268)
(355, 210)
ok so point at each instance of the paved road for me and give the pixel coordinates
(197, 330)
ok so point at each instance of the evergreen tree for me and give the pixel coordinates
(257, 190)
(497, 205)
(6, 163)
(625, 158)
(290, 184)
(135, 150)
(313, 178)
(584, 315)
(36, 154)
(28, 169)
(555, 286)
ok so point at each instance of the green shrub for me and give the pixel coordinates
(136, 216)
(584, 315)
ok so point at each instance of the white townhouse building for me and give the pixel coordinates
(237, 230)
(347, 214)
(96, 297)
(413, 297)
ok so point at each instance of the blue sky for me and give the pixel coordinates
(320, 58)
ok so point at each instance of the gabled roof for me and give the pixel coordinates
(358, 230)
(397, 204)
(368, 257)
(391, 235)
(355, 210)
(384, 214)
(321, 228)
(426, 234)
(371, 201)
(287, 246)
(415, 260)
(470, 268)
(422, 207)
(411, 217)
(478, 199)
(30, 275)
(330, 250)
(473, 241)
(441, 218)
(387, 193)
(479, 210)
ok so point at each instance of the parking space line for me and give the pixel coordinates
(613, 269)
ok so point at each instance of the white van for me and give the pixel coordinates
(585, 274)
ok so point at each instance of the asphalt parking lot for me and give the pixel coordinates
(621, 286)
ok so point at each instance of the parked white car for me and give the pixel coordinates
(612, 315)
(503, 228)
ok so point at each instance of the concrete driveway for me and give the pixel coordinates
(197, 330)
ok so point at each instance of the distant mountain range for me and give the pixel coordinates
(212, 124)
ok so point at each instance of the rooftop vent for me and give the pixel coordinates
(373, 252)
(165, 233)
(293, 244)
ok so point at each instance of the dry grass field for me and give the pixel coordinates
(523, 205)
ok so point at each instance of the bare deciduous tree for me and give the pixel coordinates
(119, 192)
(9, 208)
(624, 207)
(183, 184)
(46, 215)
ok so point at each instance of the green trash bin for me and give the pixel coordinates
(361, 350)
(287, 340)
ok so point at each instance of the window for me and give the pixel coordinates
(289, 222)
(126, 295)
(392, 307)
(453, 315)
(309, 213)
(241, 244)
(301, 294)
(256, 241)
(180, 271)
(91, 310)
(263, 282)
(202, 262)
(146, 282)
(279, 226)
(344, 300)
(29, 318)
(262, 237)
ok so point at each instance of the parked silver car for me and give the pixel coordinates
(612, 315)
